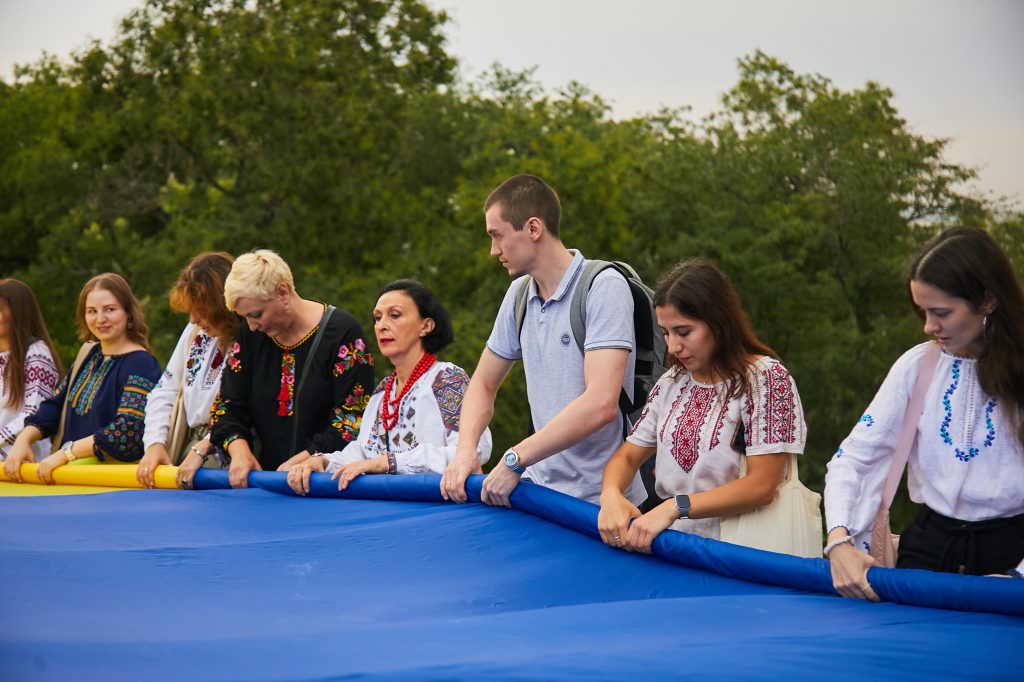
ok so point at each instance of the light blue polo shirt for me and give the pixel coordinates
(554, 370)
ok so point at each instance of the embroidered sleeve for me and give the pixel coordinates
(122, 438)
(773, 416)
(449, 387)
(230, 417)
(40, 380)
(351, 373)
(47, 417)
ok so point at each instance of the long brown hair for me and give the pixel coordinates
(137, 330)
(200, 290)
(699, 290)
(966, 263)
(25, 325)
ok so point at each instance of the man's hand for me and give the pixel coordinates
(499, 485)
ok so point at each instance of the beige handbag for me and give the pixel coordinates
(885, 543)
(58, 438)
(791, 524)
(178, 433)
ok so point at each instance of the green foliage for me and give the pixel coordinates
(334, 132)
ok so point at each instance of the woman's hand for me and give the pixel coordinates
(453, 480)
(614, 518)
(298, 474)
(643, 531)
(156, 455)
(20, 453)
(44, 470)
(297, 458)
(850, 572)
(348, 472)
(193, 463)
(242, 462)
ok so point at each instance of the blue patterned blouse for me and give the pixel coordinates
(106, 400)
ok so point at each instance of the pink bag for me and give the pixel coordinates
(885, 543)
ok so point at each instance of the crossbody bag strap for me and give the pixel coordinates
(83, 353)
(915, 407)
(303, 373)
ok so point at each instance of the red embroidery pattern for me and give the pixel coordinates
(718, 426)
(675, 406)
(780, 418)
(686, 434)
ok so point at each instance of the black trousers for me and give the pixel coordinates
(938, 543)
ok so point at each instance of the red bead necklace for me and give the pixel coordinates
(389, 418)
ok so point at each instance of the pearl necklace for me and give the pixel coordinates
(388, 418)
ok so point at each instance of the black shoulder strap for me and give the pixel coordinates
(304, 373)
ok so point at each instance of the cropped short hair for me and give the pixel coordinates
(522, 197)
(256, 275)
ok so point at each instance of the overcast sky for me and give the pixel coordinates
(956, 66)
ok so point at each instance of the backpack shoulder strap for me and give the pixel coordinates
(578, 308)
(522, 294)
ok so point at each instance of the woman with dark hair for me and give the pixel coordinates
(193, 374)
(411, 424)
(29, 365)
(726, 399)
(966, 464)
(101, 403)
(297, 376)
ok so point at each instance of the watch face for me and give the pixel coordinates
(511, 460)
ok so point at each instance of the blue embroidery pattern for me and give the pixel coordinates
(88, 382)
(947, 405)
(867, 420)
(839, 453)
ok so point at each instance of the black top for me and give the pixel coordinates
(261, 376)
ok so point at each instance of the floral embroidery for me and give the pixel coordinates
(449, 387)
(213, 373)
(348, 418)
(194, 362)
(686, 434)
(647, 407)
(947, 404)
(217, 410)
(88, 382)
(351, 355)
(838, 453)
(867, 420)
(286, 396)
(234, 364)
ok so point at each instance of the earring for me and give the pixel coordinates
(130, 324)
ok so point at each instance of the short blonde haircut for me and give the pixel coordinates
(255, 275)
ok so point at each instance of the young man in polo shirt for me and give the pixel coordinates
(573, 396)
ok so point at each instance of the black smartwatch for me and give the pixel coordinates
(683, 506)
(511, 460)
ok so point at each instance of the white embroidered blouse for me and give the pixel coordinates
(966, 462)
(692, 426)
(427, 432)
(40, 381)
(198, 361)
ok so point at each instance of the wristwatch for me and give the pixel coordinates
(683, 506)
(511, 460)
(67, 450)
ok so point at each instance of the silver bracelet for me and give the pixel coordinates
(202, 456)
(835, 543)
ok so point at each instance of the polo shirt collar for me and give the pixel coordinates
(567, 279)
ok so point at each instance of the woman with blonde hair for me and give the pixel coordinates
(29, 365)
(98, 409)
(298, 376)
(191, 380)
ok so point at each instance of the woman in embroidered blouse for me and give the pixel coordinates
(104, 403)
(725, 381)
(197, 360)
(966, 467)
(273, 393)
(411, 424)
(29, 368)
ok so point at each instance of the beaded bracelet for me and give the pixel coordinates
(392, 463)
(835, 543)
